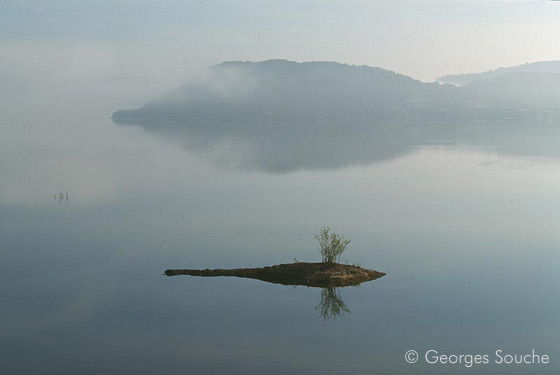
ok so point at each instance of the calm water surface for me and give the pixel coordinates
(468, 237)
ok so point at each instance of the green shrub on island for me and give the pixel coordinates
(331, 245)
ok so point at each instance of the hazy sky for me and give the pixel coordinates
(157, 44)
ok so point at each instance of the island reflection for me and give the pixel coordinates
(327, 276)
(331, 305)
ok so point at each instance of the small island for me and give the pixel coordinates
(321, 275)
(328, 273)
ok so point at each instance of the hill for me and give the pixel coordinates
(280, 116)
(281, 89)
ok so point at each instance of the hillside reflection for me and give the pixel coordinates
(279, 146)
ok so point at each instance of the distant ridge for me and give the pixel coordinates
(548, 67)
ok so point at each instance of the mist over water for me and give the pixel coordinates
(467, 236)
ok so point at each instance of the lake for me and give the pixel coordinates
(467, 232)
